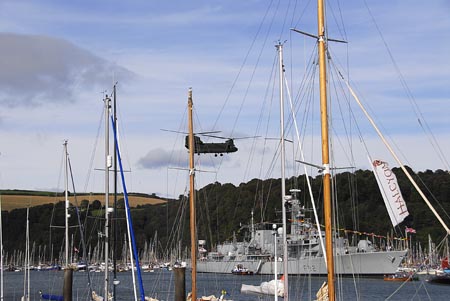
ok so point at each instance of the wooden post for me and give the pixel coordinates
(180, 283)
(67, 288)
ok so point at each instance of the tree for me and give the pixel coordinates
(121, 203)
(96, 205)
(84, 204)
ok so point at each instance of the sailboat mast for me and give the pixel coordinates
(108, 163)
(26, 283)
(66, 202)
(192, 199)
(325, 150)
(115, 200)
(283, 173)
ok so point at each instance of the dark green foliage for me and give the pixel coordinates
(84, 204)
(223, 211)
(96, 204)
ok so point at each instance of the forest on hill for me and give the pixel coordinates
(225, 210)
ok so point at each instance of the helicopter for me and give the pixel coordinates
(218, 148)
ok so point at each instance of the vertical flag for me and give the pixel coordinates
(392, 196)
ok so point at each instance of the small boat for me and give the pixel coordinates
(439, 279)
(401, 276)
(241, 270)
(442, 277)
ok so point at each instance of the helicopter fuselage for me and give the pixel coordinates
(201, 147)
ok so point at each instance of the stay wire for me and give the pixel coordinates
(94, 149)
(80, 225)
(420, 117)
(227, 98)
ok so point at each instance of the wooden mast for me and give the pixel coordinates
(325, 150)
(192, 199)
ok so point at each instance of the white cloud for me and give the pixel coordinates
(40, 69)
(156, 158)
(59, 56)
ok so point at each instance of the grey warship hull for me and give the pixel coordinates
(363, 263)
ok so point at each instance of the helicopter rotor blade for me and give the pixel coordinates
(247, 137)
(186, 133)
(233, 138)
(214, 136)
(206, 133)
(172, 131)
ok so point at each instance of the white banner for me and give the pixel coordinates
(392, 196)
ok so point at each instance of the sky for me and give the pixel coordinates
(58, 60)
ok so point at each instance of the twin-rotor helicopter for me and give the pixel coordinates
(216, 148)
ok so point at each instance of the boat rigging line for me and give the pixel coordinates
(129, 219)
(397, 159)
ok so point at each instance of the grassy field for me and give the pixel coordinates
(10, 202)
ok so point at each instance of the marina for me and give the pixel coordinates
(322, 202)
(160, 285)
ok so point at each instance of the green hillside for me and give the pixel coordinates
(224, 209)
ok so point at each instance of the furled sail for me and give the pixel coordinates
(392, 196)
(266, 288)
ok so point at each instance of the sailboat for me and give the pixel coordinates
(304, 245)
(109, 287)
(307, 255)
(26, 274)
(192, 212)
(322, 40)
(442, 276)
(68, 270)
(132, 241)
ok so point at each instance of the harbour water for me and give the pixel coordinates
(160, 285)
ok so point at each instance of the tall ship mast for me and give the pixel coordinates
(192, 213)
(325, 150)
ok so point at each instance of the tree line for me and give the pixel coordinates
(224, 211)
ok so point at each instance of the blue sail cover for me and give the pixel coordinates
(52, 297)
(127, 206)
